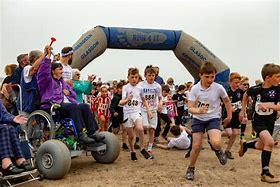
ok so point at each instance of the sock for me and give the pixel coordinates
(251, 145)
(242, 128)
(150, 146)
(265, 157)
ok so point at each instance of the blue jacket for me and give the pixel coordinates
(5, 116)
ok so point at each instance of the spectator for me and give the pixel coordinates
(158, 79)
(30, 94)
(9, 144)
(23, 60)
(81, 87)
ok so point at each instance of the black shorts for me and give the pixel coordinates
(234, 123)
(202, 126)
(266, 125)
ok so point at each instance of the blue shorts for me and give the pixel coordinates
(202, 126)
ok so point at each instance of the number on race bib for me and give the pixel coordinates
(237, 105)
(202, 104)
(132, 102)
(262, 112)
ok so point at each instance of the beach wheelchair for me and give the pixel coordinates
(53, 141)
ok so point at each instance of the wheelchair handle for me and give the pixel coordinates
(13, 86)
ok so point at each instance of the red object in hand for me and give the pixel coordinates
(52, 40)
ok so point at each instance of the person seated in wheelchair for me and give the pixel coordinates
(11, 156)
(54, 89)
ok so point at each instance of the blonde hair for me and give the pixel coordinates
(9, 69)
(234, 75)
(244, 79)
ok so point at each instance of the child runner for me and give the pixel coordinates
(233, 128)
(180, 98)
(103, 108)
(266, 98)
(117, 115)
(164, 113)
(132, 96)
(153, 96)
(244, 85)
(182, 139)
(205, 105)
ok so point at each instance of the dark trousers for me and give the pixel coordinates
(82, 116)
(9, 142)
(167, 120)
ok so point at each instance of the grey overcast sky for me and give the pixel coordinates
(244, 34)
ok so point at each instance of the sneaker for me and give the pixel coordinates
(190, 173)
(188, 154)
(146, 154)
(151, 153)
(269, 178)
(229, 154)
(97, 136)
(221, 156)
(85, 139)
(243, 148)
(242, 137)
(133, 156)
(124, 146)
(253, 135)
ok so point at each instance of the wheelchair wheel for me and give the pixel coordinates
(112, 149)
(40, 128)
(53, 159)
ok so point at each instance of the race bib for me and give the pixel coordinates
(237, 105)
(133, 103)
(104, 106)
(180, 103)
(263, 112)
(202, 104)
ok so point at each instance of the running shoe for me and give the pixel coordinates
(190, 173)
(221, 156)
(146, 154)
(253, 135)
(133, 156)
(268, 177)
(124, 146)
(243, 148)
(229, 154)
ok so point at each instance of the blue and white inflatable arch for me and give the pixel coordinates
(187, 49)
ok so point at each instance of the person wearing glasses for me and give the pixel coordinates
(81, 87)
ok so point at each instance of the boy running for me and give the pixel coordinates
(153, 96)
(266, 98)
(205, 105)
(233, 128)
(132, 96)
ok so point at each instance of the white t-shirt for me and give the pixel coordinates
(67, 72)
(211, 97)
(152, 93)
(182, 142)
(26, 77)
(134, 104)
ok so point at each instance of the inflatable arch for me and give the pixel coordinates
(187, 49)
